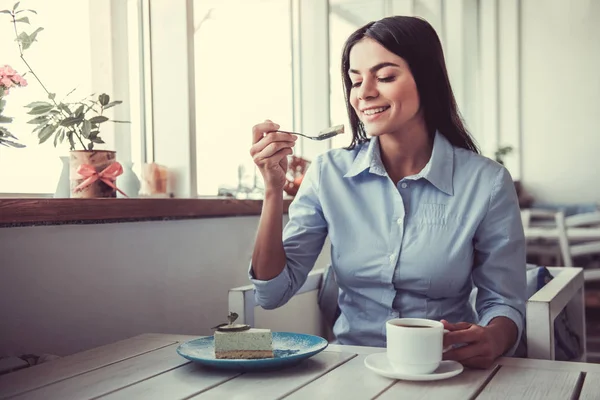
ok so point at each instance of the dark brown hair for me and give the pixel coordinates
(416, 41)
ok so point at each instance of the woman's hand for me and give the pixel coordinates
(483, 344)
(269, 151)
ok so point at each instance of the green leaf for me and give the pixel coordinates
(104, 99)
(27, 40)
(90, 146)
(112, 104)
(65, 108)
(46, 133)
(56, 139)
(23, 19)
(6, 12)
(98, 119)
(70, 121)
(37, 104)
(62, 135)
(120, 122)
(33, 11)
(16, 6)
(86, 129)
(71, 140)
(98, 140)
(5, 132)
(51, 96)
(40, 110)
(38, 120)
(79, 111)
(10, 143)
(5, 120)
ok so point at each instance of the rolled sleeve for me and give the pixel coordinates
(271, 294)
(303, 238)
(500, 272)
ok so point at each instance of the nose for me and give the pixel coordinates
(367, 90)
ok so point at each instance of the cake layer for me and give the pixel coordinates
(244, 354)
(251, 339)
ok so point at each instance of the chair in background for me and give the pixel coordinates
(316, 313)
(572, 250)
(548, 252)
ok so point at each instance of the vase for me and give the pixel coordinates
(63, 187)
(99, 160)
(128, 182)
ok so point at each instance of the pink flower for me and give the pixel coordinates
(18, 79)
(6, 82)
(9, 78)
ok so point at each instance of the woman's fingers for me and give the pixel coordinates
(469, 335)
(259, 130)
(271, 149)
(465, 352)
(271, 138)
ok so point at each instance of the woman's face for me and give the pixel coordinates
(384, 93)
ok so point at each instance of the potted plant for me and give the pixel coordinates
(92, 172)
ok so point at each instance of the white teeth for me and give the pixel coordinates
(375, 110)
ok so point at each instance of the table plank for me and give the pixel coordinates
(179, 383)
(463, 386)
(549, 364)
(79, 363)
(277, 384)
(112, 377)
(351, 380)
(531, 384)
(591, 387)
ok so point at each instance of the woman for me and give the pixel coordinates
(415, 216)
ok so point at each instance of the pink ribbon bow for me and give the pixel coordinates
(108, 175)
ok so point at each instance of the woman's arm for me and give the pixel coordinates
(499, 273)
(281, 262)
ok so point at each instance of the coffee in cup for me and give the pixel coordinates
(414, 345)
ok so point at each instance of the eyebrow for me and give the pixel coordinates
(376, 67)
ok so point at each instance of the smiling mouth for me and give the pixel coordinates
(373, 111)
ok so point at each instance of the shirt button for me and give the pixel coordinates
(392, 258)
(399, 221)
(404, 185)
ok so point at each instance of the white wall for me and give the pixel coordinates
(561, 99)
(72, 287)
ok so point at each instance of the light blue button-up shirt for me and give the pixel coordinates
(412, 250)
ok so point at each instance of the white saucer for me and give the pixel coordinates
(379, 363)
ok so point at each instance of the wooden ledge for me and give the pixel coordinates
(24, 212)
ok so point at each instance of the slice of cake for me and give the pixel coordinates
(248, 344)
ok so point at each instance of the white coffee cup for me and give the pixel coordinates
(414, 345)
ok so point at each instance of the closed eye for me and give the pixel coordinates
(356, 84)
(387, 79)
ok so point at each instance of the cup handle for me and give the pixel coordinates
(448, 347)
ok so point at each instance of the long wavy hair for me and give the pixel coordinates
(414, 40)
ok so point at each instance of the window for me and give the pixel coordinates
(243, 75)
(63, 62)
(82, 49)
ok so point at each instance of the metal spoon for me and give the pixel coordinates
(323, 135)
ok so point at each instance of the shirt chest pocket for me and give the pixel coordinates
(441, 243)
(430, 214)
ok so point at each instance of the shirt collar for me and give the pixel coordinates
(439, 169)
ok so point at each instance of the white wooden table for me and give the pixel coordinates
(147, 367)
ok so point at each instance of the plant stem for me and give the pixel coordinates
(39, 81)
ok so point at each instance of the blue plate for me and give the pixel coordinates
(288, 349)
